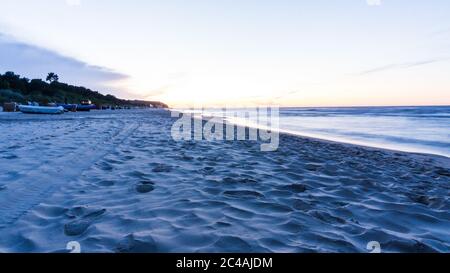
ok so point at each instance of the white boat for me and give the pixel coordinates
(28, 109)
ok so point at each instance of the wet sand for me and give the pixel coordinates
(117, 182)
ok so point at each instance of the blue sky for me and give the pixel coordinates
(292, 53)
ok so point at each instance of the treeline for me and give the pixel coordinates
(14, 88)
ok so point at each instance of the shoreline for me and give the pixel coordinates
(368, 146)
(392, 129)
(445, 159)
(440, 157)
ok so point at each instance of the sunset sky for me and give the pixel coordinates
(214, 53)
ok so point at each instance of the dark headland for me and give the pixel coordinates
(14, 88)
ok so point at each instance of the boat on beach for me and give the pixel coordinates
(69, 107)
(29, 109)
(86, 106)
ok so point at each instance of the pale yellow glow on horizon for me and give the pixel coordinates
(414, 86)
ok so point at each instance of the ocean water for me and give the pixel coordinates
(423, 129)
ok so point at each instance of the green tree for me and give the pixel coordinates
(37, 85)
(11, 76)
(4, 84)
(52, 77)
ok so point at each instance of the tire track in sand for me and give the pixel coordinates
(29, 190)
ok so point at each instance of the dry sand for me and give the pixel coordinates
(117, 182)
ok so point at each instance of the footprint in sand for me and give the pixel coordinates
(13, 147)
(10, 157)
(419, 198)
(296, 188)
(162, 168)
(327, 217)
(301, 205)
(442, 172)
(128, 157)
(207, 170)
(243, 194)
(145, 187)
(186, 157)
(104, 166)
(131, 244)
(106, 183)
(79, 226)
(312, 167)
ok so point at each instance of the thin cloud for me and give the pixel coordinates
(402, 66)
(373, 2)
(440, 32)
(366, 72)
(173, 80)
(35, 62)
(157, 92)
(73, 3)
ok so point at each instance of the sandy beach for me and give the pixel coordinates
(117, 182)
